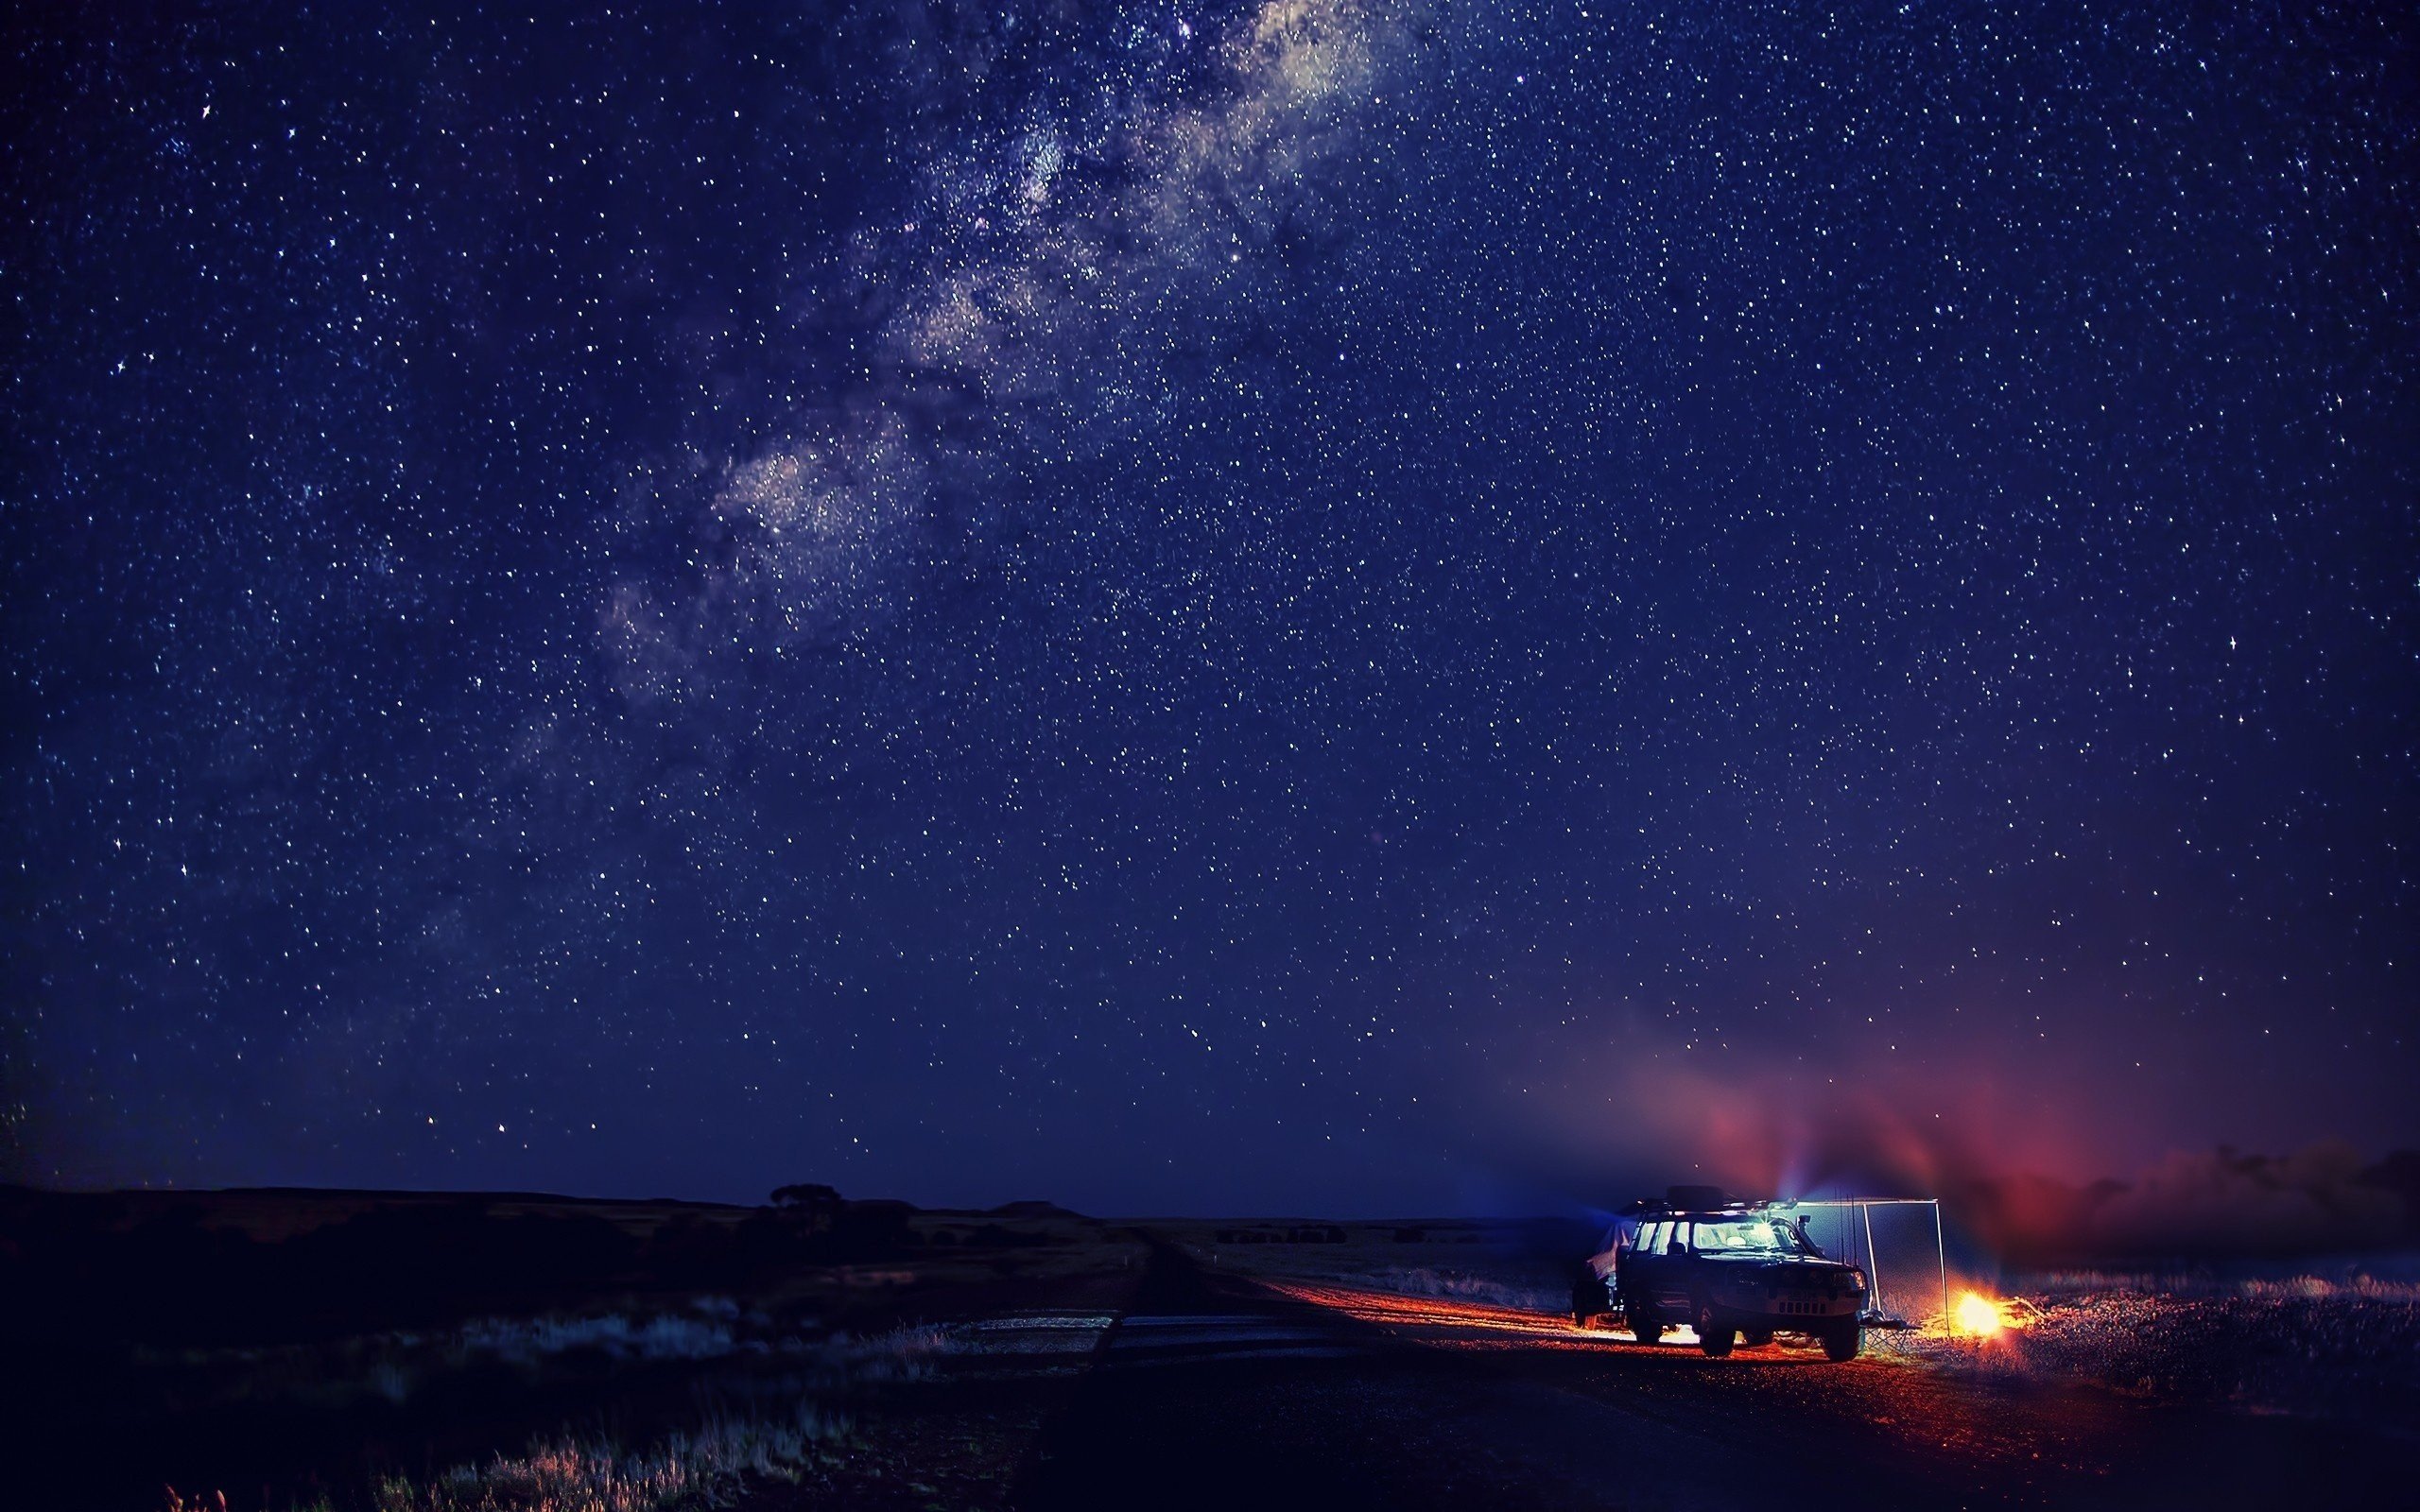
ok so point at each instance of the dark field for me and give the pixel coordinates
(292, 1348)
(411, 1353)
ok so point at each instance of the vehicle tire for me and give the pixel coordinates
(1644, 1325)
(1756, 1338)
(1842, 1343)
(1714, 1340)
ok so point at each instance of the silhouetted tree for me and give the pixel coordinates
(809, 1196)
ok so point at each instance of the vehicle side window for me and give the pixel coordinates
(1651, 1239)
(1681, 1235)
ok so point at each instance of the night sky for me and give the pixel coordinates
(1193, 607)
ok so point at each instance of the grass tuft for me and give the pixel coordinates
(707, 1466)
(1425, 1280)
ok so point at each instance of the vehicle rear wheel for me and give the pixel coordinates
(1841, 1342)
(1713, 1338)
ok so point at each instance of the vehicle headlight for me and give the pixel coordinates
(1857, 1274)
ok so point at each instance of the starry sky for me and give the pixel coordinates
(1205, 605)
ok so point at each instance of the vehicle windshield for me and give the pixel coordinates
(1742, 1236)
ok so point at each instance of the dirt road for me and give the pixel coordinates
(1219, 1391)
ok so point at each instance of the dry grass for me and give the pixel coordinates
(2395, 1285)
(709, 1467)
(400, 1367)
(665, 1336)
(1425, 1280)
(703, 1468)
(2314, 1288)
(907, 1352)
(2344, 1346)
(706, 1466)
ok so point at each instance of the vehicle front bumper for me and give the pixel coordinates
(1781, 1307)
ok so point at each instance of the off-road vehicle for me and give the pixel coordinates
(1733, 1271)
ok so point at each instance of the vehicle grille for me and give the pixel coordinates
(1810, 1308)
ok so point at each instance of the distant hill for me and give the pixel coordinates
(1033, 1209)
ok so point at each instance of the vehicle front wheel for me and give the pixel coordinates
(1714, 1339)
(1842, 1343)
(1644, 1325)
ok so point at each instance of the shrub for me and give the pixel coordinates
(701, 1468)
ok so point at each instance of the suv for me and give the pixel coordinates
(1732, 1270)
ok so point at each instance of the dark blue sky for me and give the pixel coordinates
(1186, 607)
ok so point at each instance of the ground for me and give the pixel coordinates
(1036, 1360)
(1335, 1395)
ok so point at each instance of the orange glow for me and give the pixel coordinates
(1979, 1316)
(1466, 1324)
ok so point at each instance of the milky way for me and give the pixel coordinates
(1191, 606)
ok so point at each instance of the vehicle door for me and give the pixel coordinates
(1670, 1285)
(1638, 1266)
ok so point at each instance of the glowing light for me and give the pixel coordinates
(1979, 1316)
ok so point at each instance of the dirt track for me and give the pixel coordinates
(1217, 1391)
